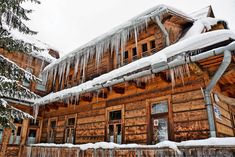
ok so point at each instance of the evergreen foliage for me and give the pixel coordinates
(12, 17)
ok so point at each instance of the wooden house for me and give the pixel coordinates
(26, 131)
(163, 75)
(120, 87)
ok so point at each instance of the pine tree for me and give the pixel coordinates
(12, 16)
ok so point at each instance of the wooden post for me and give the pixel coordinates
(5, 140)
(24, 132)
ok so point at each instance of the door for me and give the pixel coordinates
(115, 133)
(114, 126)
(69, 135)
(160, 129)
(159, 122)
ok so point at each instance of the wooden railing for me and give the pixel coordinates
(190, 151)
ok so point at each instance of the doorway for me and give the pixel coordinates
(159, 122)
(114, 126)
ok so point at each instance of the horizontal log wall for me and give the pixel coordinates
(224, 123)
(91, 124)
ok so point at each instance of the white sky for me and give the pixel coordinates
(68, 24)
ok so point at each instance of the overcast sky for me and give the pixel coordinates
(68, 24)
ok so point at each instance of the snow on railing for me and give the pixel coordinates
(168, 148)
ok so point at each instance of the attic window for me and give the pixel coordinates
(134, 52)
(115, 115)
(71, 121)
(152, 44)
(144, 47)
(126, 55)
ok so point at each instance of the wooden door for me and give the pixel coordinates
(159, 124)
(115, 133)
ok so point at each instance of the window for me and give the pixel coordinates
(32, 136)
(115, 115)
(152, 44)
(71, 121)
(26, 82)
(52, 131)
(15, 136)
(1, 133)
(53, 124)
(144, 47)
(33, 123)
(126, 55)
(41, 85)
(134, 54)
(70, 130)
(161, 107)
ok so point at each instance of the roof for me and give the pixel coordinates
(191, 41)
(43, 55)
(118, 36)
(202, 13)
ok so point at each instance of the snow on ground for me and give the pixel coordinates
(225, 142)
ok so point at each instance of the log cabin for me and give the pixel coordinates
(162, 75)
(26, 131)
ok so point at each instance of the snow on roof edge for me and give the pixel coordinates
(195, 42)
(154, 11)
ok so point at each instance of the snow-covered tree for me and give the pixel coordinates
(12, 17)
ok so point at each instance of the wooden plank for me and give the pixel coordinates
(100, 118)
(135, 129)
(135, 105)
(97, 125)
(191, 105)
(191, 126)
(183, 136)
(96, 132)
(135, 113)
(133, 138)
(224, 129)
(225, 121)
(187, 96)
(190, 115)
(135, 121)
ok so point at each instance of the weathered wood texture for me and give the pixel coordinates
(224, 123)
(192, 151)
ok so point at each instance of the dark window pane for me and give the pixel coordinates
(144, 47)
(53, 124)
(71, 121)
(18, 131)
(134, 52)
(32, 133)
(152, 44)
(115, 115)
(126, 55)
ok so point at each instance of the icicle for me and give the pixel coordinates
(54, 77)
(172, 78)
(76, 68)
(136, 39)
(67, 70)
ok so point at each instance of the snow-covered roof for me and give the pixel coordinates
(43, 55)
(192, 40)
(202, 13)
(118, 36)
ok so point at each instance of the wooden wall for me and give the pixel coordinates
(187, 112)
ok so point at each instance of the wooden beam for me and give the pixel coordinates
(86, 98)
(119, 90)
(103, 94)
